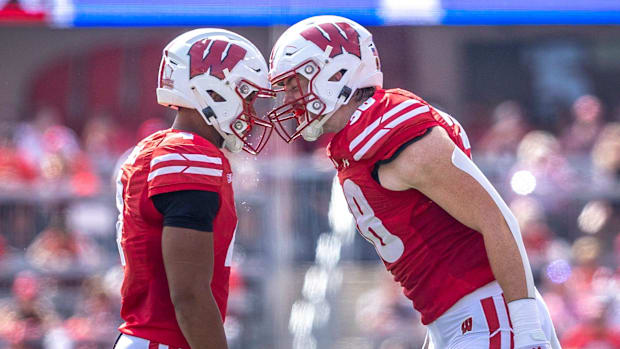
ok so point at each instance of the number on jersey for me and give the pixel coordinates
(451, 122)
(389, 246)
(120, 200)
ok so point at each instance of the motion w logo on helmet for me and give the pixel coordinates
(213, 56)
(338, 36)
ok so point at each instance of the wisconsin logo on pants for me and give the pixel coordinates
(467, 325)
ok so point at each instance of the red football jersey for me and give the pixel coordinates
(436, 259)
(166, 161)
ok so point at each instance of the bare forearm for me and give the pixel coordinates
(509, 270)
(200, 321)
(506, 263)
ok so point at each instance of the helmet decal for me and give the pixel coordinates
(339, 36)
(206, 56)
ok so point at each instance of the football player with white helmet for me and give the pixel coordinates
(405, 166)
(222, 82)
(177, 217)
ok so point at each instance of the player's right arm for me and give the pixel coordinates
(187, 249)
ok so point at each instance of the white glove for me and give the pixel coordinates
(528, 333)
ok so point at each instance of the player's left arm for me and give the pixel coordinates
(428, 165)
(435, 166)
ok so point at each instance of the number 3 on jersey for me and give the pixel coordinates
(390, 247)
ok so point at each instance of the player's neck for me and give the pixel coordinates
(190, 120)
(341, 117)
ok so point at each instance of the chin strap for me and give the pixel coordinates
(314, 130)
(311, 132)
(232, 143)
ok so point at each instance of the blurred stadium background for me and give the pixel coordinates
(536, 86)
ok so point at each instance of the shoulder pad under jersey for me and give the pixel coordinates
(390, 122)
(183, 161)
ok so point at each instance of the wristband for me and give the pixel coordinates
(524, 318)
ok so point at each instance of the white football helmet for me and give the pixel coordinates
(317, 48)
(221, 75)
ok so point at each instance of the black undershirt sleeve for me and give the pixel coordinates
(375, 170)
(191, 209)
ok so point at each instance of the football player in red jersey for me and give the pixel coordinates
(177, 220)
(439, 226)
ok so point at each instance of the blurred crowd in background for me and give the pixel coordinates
(60, 274)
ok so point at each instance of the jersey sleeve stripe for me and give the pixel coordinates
(204, 171)
(370, 128)
(166, 157)
(398, 108)
(360, 153)
(399, 120)
(165, 170)
(185, 157)
(203, 158)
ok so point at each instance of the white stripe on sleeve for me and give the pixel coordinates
(360, 153)
(204, 171)
(368, 130)
(165, 170)
(203, 158)
(166, 157)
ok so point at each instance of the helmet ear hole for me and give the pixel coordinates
(336, 77)
(216, 96)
